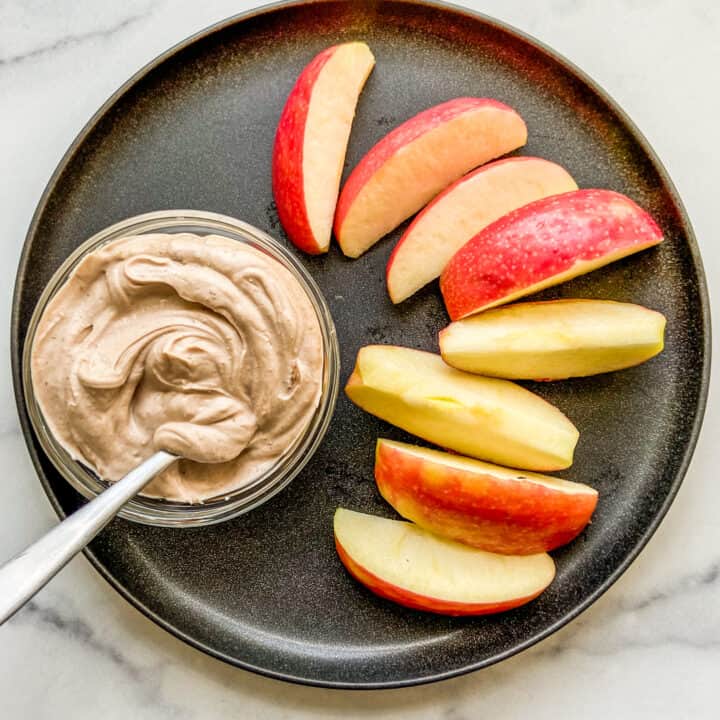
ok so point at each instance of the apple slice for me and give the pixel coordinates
(487, 418)
(410, 566)
(463, 210)
(418, 159)
(544, 243)
(554, 340)
(487, 506)
(311, 141)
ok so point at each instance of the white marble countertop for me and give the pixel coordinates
(649, 648)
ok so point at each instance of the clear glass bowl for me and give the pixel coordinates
(152, 511)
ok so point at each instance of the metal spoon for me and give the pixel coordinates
(30, 570)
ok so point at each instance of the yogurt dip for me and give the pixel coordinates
(198, 345)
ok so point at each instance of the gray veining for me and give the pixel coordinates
(69, 41)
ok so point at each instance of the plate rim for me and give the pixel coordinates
(703, 296)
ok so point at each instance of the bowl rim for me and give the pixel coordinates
(166, 513)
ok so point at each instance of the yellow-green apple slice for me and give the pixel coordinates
(311, 141)
(554, 340)
(410, 566)
(463, 210)
(486, 418)
(544, 243)
(417, 160)
(487, 506)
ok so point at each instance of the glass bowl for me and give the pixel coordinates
(154, 511)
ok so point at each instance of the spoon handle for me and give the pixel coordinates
(30, 570)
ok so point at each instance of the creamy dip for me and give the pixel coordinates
(198, 345)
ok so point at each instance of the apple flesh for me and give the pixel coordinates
(417, 160)
(410, 566)
(463, 210)
(487, 506)
(554, 340)
(311, 141)
(486, 418)
(544, 243)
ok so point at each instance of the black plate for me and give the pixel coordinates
(194, 129)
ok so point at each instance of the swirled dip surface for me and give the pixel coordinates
(198, 345)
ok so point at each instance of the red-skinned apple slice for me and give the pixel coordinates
(463, 210)
(553, 340)
(311, 141)
(544, 243)
(410, 566)
(417, 160)
(487, 506)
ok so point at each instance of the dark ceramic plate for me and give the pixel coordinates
(194, 130)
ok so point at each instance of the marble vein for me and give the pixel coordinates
(78, 630)
(629, 624)
(147, 680)
(683, 585)
(627, 645)
(70, 41)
